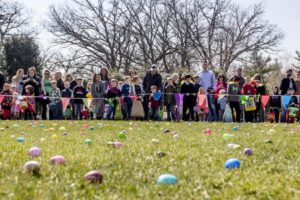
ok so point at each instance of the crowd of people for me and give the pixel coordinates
(200, 97)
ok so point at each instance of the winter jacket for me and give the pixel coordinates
(285, 85)
(169, 96)
(233, 89)
(151, 80)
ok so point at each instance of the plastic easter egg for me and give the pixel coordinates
(176, 136)
(122, 136)
(57, 160)
(20, 139)
(42, 126)
(268, 141)
(248, 152)
(232, 163)
(32, 167)
(166, 131)
(53, 136)
(235, 128)
(62, 128)
(85, 126)
(207, 131)
(34, 152)
(2, 129)
(167, 179)
(227, 136)
(94, 176)
(99, 125)
(88, 141)
(92, 128)
(160, 154)
(16, 126)
(230, 146)
(118, 144)
(155, 141)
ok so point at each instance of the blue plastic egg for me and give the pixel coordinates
(167, 179)
(20, 139)
(232, 163)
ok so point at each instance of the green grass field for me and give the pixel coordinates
(196, 159)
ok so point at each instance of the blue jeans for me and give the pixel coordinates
(77, 109)
(111, 112)
(212, 116)
(221, 114)
(154, 114)
(55, 110)
(170, 108)
(126, 110)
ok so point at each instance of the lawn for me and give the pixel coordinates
(131, 172)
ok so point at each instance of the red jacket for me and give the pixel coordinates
(248, 89)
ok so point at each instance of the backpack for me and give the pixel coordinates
(293, 111)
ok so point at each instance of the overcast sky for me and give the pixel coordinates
(284, 13)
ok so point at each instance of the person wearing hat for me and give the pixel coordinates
(152, 78)
(187, 88)
(287, 83)
(207, 77)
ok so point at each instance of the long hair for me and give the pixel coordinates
(31, 69)
(105, 77)
(17, 76)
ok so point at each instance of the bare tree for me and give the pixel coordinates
(121, 34)
(13, 17)
(93, 29)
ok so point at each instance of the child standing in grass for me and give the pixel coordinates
(113, 96)
(127, 101)
(187, 88)
(28, 104)
(6, 102)
(15, 109)
(169, 98)
(154, 103)
(67, 93)
(55, 107)
(222, 101)
(79, 92)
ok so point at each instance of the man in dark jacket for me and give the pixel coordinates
(2, 81)
(238, 78)
(152, 78)
(287, 83)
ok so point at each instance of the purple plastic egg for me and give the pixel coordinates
(118, 144)
(57, 160)
(94, 176)
(248, 152)
(166, 131)
(34, 152)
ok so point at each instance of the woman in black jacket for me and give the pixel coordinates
(287, 83)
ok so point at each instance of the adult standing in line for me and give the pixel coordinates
(46, 89)
(152, 78)
(105, 78)
(59, 81)
(69, 78)
(207, 77)
(2, 81)
(297, 83)
(238, 77)
(287, 83)
(17, 80)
